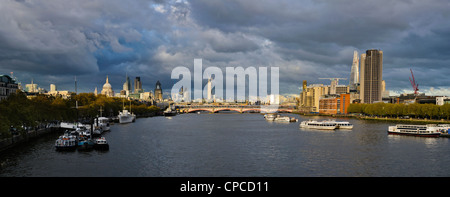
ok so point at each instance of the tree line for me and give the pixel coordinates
(19, 112)
(414, 110)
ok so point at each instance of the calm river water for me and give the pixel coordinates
(230, 144)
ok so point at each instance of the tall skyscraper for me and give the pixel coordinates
(354, 75)
(138, 85)
(371, 76)
(52, 88)
(127, 84)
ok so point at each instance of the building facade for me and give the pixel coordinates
(334, 104)
(7, 86)
(371, 76)
(442, 100)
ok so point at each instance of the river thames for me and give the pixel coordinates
(236, 145)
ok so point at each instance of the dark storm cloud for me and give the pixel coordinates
(306, 39)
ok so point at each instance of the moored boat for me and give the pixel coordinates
(429, 130)
(101, 144)
(169, 112)
(323, 125)
(66, 142)
(126, 117)
(85, 144)
(103, 123)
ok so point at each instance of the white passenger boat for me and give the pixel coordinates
(282, 119)
(342, 124)
(429, 130)
(270, 116)
(66, 142)
(313, 124)
(126, 117)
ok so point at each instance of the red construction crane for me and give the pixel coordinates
(413, 83)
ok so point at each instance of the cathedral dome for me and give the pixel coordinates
(107, 88)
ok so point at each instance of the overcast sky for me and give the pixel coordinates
(52, 41)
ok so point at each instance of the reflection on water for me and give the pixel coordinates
(232, 144)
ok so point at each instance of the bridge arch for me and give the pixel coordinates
(200, 109)
(227, 109)
(251, 109)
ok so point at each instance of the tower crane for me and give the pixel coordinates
(413, 83)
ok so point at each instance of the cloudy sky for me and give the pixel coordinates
(52, 41)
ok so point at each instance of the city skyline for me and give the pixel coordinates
(51, 42)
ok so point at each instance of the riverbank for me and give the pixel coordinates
(8, 143)
(363, 117)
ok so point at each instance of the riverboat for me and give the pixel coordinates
(66, 142)
(101, 144)
(126, 117)
(270, 116)
(342, 124)
(103, 123)
(282, 119)
(323, 125)
(85, 144)
(429, 130)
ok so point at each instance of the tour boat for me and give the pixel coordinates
(282, 119)
(313, 124)
(342, 125)
(66, 142)
(270, 117)
(101, 144)
(429, 130)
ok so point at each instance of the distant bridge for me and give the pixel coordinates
(236, 108)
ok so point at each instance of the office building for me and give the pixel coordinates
(126, 86)
(7, 86)
(354, 74)
(138, 85)
(371, 76)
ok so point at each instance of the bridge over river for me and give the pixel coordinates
(237, 108)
